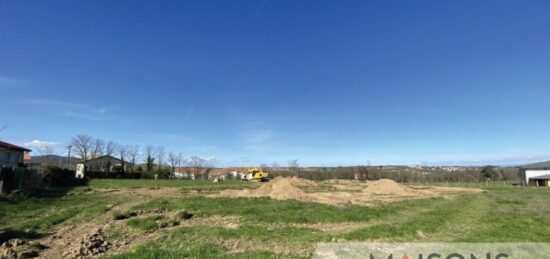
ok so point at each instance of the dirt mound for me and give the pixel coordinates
(386, 186)
(341, 192)
(17, 248)
(92, 244)
(280, 189)
(300, 182)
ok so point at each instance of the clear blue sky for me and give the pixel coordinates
(246, 82)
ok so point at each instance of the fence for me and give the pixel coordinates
(31, 180)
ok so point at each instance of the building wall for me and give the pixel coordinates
(10, 158)
(534, 172)
(102, 164)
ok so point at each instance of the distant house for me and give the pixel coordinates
(12, 155)
(99, 164)
(61, 161)
(537, 174)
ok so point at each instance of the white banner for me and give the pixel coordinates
(433, 250)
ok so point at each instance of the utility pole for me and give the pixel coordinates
(69, 157)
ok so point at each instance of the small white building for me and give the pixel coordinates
(99, 164)
(537, 174)
(180, 175)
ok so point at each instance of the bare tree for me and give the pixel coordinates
(133, 156)
(275, 166)
(197, 165)
(97, 148)
(174, 160)
(110, 148)
(150, 159)
(180, 160)
(122, 152)
(160, 153)
(294, 166)
(82, 145)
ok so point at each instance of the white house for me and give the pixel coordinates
(99, 164)
(537, 174)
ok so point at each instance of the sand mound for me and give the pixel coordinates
(280, 189)
(386, 186)
(300, 182)
(348, 192)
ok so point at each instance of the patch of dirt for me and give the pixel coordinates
(92, 244)
(230, 222)
(146, 192)
(279, 188)
(17, 248)
(302, 183)
(344, 191)
(387, 186)
(74, 241)
(92, 240)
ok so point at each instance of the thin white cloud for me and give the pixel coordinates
(258, 137)
(74, 109)
(261, 7)
(9, 81)
(188, 114)
(214, 160)
(59, 104)
(41, 144)
(238, 161)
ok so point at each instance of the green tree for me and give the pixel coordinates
(491, 172)
(150, 163)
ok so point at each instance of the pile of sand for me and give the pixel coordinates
(354, 192)
(387, 186)
(300, 182)
(279, 188)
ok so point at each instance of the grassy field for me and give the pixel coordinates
(262, 227)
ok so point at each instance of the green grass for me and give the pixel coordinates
(273, 228)
(207, 242)
(145, 224)
(184, 184)
(52, 207)
(277, 211)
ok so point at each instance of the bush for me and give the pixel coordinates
(55, 176)
(398, 173)
(112, 175)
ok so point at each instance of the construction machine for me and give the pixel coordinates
(255, 174)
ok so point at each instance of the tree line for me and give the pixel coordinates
(155, 158)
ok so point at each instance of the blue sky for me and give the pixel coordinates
(248, 82)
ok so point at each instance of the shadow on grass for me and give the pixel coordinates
(9, 234)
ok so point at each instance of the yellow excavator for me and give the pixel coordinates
(255, 174)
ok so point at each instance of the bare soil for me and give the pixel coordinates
(344, 191)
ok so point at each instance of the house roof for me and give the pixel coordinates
(14, 147)
(101, 157)
(540, 165)
(541, 177)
